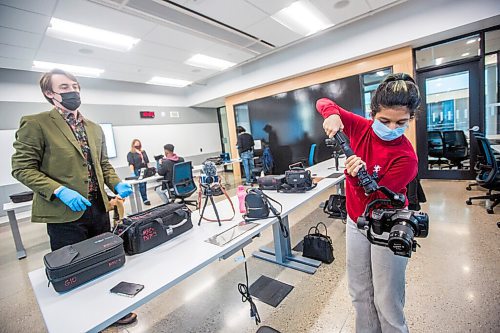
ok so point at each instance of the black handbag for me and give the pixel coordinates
(318, 246)
(335, 207)
(74, 265)
(297, 180)
(150, 228)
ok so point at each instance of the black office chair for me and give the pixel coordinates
(435, 148)
(182, 185)
(488, 176)
(455, 148)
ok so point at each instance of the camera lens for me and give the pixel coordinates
(401, 238)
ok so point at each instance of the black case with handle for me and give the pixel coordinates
(74, 265)
(150, 228)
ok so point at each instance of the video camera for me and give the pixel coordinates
(209, 173)
(158, 157)
(403, 225)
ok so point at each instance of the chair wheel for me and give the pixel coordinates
(468, 202)
(468, 188)
(489, 210)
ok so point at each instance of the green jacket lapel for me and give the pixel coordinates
(63, 126)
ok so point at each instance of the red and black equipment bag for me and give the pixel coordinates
(150, 228)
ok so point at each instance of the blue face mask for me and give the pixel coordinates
(385, 133)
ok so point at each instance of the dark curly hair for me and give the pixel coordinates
(397, 90)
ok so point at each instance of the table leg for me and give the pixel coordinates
(282, 253)
(136, 201)
(21, 252)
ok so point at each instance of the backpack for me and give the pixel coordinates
(267, 161)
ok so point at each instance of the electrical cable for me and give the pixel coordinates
(245, 294)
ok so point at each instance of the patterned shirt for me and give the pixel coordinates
(76, 125)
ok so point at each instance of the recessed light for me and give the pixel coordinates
(438, 61)
(341, 4)
(465, 54)
(470, 41)
(84, 34)
(76, 70)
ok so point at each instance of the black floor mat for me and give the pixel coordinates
(335, 175)
(299, 247)
(267, 329)
(270, 291)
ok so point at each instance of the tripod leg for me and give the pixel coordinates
(203, 210)
(215, 210)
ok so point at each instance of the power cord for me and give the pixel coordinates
(245, 294)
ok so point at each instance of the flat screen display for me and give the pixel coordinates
(110, 139)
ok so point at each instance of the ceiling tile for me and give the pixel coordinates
(45, 7)
(236, 13)
(102, 17)
(156, 50)
(23, 20)
(16, 52)
(375, 4)
(15, 63)
(339, 15)
(179, 39)
(273, 32)
(271, 7)
(228, 53)
(19, 38)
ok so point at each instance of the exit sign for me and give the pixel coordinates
(147, 114)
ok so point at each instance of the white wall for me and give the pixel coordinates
(415, 22)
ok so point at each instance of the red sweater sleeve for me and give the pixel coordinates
(351, 121)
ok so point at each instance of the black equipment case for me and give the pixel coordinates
(150, 228)
(22, 197)
(74, 265)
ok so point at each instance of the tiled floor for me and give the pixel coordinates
(452, 281)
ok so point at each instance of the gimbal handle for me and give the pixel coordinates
(365, 179)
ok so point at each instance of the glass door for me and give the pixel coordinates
(450, 107)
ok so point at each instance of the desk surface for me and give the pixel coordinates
(12, 206)
(494, 147)
(158, 269)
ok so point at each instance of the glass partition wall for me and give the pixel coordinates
(457, 94)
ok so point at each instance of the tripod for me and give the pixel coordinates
(207, 192)
(336, 154)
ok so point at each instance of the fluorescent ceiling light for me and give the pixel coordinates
(303, 18)
(465, 54)
(438, 61)
(76, 70)
(470, 41)
(203, 61)
(83, 34)
(165, 81)
(381, 73)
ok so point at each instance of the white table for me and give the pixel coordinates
(136, 200)
(91, 307)
(10, 208)
(496, 148)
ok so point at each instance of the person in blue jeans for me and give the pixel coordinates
(138, 159)
(245, 149)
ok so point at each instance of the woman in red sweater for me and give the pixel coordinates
(376, 277)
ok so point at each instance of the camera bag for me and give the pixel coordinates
(22, 197)
(318, 246)
(150, 228)
(297, 180)
(335, 207)
(270, 182)
(74, 265)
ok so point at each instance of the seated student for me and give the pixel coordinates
(167, 164)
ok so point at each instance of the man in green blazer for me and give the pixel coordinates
(62, 157)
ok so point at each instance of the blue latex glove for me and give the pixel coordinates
(123, 189)
(73, 199)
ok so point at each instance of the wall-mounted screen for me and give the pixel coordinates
(110, 139)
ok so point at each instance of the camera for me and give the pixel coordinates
(389, 216)
(209, 173)
(158, 157)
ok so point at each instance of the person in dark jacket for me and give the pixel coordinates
(138, 159)
(245, 149)
(167, 164)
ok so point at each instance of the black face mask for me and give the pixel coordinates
(137, 147)
(70, 100)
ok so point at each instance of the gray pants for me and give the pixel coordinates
(376, 281)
